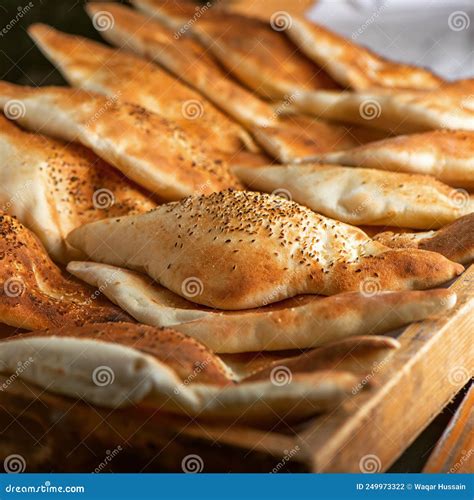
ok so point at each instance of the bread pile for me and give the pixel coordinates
(218, 188)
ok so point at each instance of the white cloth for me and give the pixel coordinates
(438, 34)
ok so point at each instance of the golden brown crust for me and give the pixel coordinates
(54, 187)
(242, 249)
(301, 322)
(185, 58)
(286, 139)
(353, 65)
(264, 59)
(450, 107)
(192, 361)
(455, 241)
(353, 354)
(363, 196)
(34, 294)
(95, 67)
(300, 138)
(447, 155)
(151, 150)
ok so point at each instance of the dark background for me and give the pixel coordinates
(20, 61)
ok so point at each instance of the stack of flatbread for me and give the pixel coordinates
(186, 227)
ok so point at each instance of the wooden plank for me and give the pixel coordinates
(412, 389)
(454, 452)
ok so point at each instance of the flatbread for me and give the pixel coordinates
(95, 67)
(445, 154)
(33, 291)
(299, 138)
(84, 363)
(239, 250)
(180, 352)
(183, 57)
(298, 323)
(455, 241)
(263, 59)
(53, 187)
(356, 354)
(402, 112)
(355, 66)
(188, 60)
(363, 196)
(152, 151)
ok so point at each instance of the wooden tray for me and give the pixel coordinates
(368, 433)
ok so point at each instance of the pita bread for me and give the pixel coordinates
(292, 140)
(401, 112)
(363, 196)
(455, 241)
(53, 187)
(95, 67)
(446, 155)
(247, 159)
(298, 323)
(85, 363)
(263, 59)
(34, 293)
(152, 151)
(299, 138)
(355, 66)
(356, 354)
(183, 57)
(238, 250)
(180, 352)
